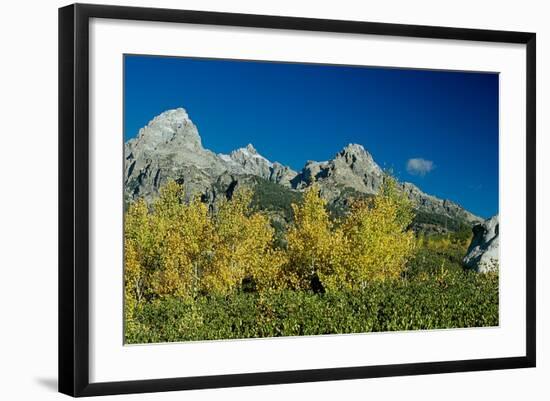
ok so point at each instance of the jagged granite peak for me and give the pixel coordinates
(247, 160)
(359, 159)
(249, 149)
(249, 154)
(173, 128)
(169, 146)
(173, 116)
(354, 148)
(352, 167)
(250, 161)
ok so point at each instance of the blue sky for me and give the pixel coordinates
(437, 129)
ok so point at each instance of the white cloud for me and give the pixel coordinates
(419, 166)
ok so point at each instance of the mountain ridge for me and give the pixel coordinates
(170, 147)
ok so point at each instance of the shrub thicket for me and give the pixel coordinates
(439, 301)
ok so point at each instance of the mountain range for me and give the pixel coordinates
(170, 147)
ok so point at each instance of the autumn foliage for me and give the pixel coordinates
(198, 271)
(178, 248)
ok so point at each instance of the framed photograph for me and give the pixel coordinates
(250, 199)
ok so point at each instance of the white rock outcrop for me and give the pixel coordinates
(483, 252)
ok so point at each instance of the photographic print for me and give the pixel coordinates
(269, 199)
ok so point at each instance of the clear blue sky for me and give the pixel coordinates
(293, 113)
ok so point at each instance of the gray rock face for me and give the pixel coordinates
(247, 160)
(483, 252)
(282, 174)
(352, 167)
(170, 147)
(351, 170)
(432, 204)
(355, 159)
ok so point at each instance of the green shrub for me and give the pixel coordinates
(431, 261)
(444, 299)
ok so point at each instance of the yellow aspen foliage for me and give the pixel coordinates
(183, 230)
(139, 251)
(179, 248)
(377, 239)
(242, 246)
(314, 245)
(164, 246)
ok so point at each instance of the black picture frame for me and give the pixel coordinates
(74, 198)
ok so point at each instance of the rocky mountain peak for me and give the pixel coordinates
(353, 148)
(251, 149)
(178, 115)
(249, 155)
(359, 159)
(169, 129)
(353, 152)
(250, 161)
